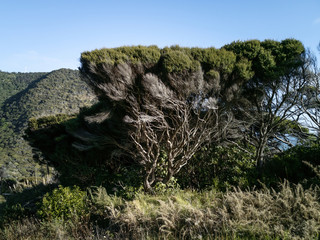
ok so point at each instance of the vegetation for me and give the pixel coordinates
(183, 143)
(191, 97)
(63, 203)
(290, 213)
(34, 95)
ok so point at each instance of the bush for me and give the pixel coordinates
(178, 61)
(63, 203)
(291, 165)
(219, 167)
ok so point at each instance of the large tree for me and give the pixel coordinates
(269, 99)
(161, 105)
(158, 107)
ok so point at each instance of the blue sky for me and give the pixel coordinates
(44, 35)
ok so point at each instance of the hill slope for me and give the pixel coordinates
(12, 83)
(26, 95)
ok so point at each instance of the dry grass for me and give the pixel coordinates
(290, 213)
(31, 229)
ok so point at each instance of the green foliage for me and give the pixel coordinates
(35, 124)
(63, 203)
(249, 49)
(12, 83)
(214, 60)
(224, 61)
(171, 187)
(174, 59)
(134, 55)
(243, 69)
(289, 126)
(270, 59)
(290, 165)
(12, 212)
(177, 61)
(20, 201)
(219, 167)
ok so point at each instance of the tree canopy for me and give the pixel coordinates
(163, 100)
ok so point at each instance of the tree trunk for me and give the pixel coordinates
(168, 176)
(146, 184)
(259, 158)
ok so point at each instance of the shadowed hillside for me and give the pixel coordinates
(26, 95)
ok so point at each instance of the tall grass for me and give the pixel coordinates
(289, 213)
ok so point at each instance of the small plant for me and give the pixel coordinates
(170, 187)
(63, 203)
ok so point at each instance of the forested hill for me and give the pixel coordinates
(27, 95)
(12, 83)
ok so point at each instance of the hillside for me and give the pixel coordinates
(27, 95)
(12, 83)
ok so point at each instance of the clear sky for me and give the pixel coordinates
(44, 35)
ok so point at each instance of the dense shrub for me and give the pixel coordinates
(291, 165)
(63, 203)
(219, 167)
(137, 54)
(178, 61)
